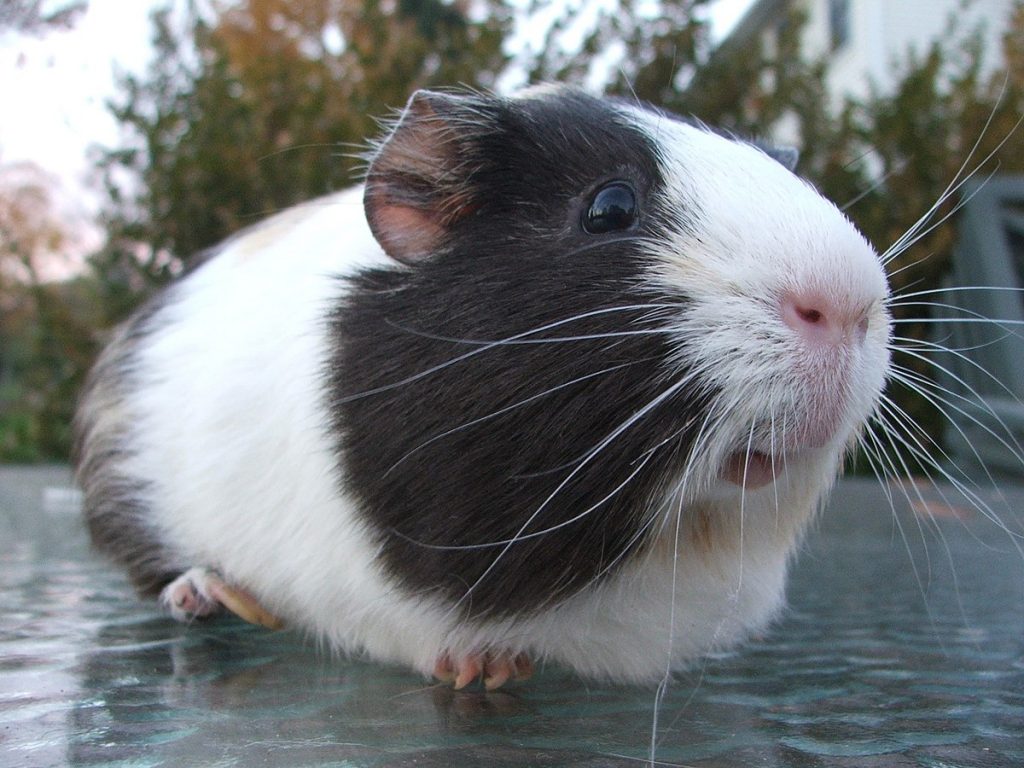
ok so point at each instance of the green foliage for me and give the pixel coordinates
(46, 334)
(47, 348)
(925, 137)
(264, 106)
(657, 42)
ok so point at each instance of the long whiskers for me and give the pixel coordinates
(954, 185)
(545, 340)
(932, 393)
(513, 406)
(520, 537)
(922, 452)
(922, 346)
(485, 347)
(914, 236)
(604, 443)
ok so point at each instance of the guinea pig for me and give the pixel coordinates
(566, 379)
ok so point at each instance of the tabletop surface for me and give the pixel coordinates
(903, 645)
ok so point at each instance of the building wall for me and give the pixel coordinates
(879, 35)
(882, 31)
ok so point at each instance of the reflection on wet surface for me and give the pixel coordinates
(899, 649)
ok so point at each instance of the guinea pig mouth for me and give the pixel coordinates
(752, 470)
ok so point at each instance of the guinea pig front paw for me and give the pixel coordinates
(189, 596)
(200, 592)
(495, 669)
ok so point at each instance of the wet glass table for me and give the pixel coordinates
(903, 646)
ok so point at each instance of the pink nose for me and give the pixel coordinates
(820, 320)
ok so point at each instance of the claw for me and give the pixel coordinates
(523, 667)
(498, 672)
(494, 669)
(469, 670)
(200, 592)
(242, 604)
(444, 670)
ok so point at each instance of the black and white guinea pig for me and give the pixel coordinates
(566, 380)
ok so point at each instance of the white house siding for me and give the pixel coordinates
(882, 31)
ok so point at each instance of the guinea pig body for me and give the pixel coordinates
(567, 379)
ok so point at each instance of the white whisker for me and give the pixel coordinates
(939, 321)
(659, 694)
(954, 185)
(954, 289)
(906, 244)
(486, 347)
(929, 346)
(672, 390)
(891, 437)
(980, 402)
(924, 506)
(875, 185)
(928, 465)
(513, 406)
(519, 537)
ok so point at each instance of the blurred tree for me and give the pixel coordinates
(262, 106)
(45, 326)
(943, 122)
(45, 336)
(629, 47)
(29, 16)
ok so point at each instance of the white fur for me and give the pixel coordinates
(227, 418)
(762, 233)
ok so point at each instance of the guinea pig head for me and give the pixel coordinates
(597, 314)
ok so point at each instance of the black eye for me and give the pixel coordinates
(613, 209)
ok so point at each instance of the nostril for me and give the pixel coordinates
(821, 320)
(805, 315)
(812, 316)
(814, 319)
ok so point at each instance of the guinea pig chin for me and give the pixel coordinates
(752, 470)
(770, 449)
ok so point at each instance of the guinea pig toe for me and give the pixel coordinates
(468, 669)
(523, 667)
(495, 669)
(498, 671)
(501, 667)
(188, 597)
(444, 669)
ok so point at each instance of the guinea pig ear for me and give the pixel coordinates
(787, 157)
(419, 181)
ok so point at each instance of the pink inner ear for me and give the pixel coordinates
(406, 234)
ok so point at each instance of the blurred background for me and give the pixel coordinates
(135, 135)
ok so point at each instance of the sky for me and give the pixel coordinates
(55, 87)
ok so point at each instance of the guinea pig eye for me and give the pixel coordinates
(613, 209)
